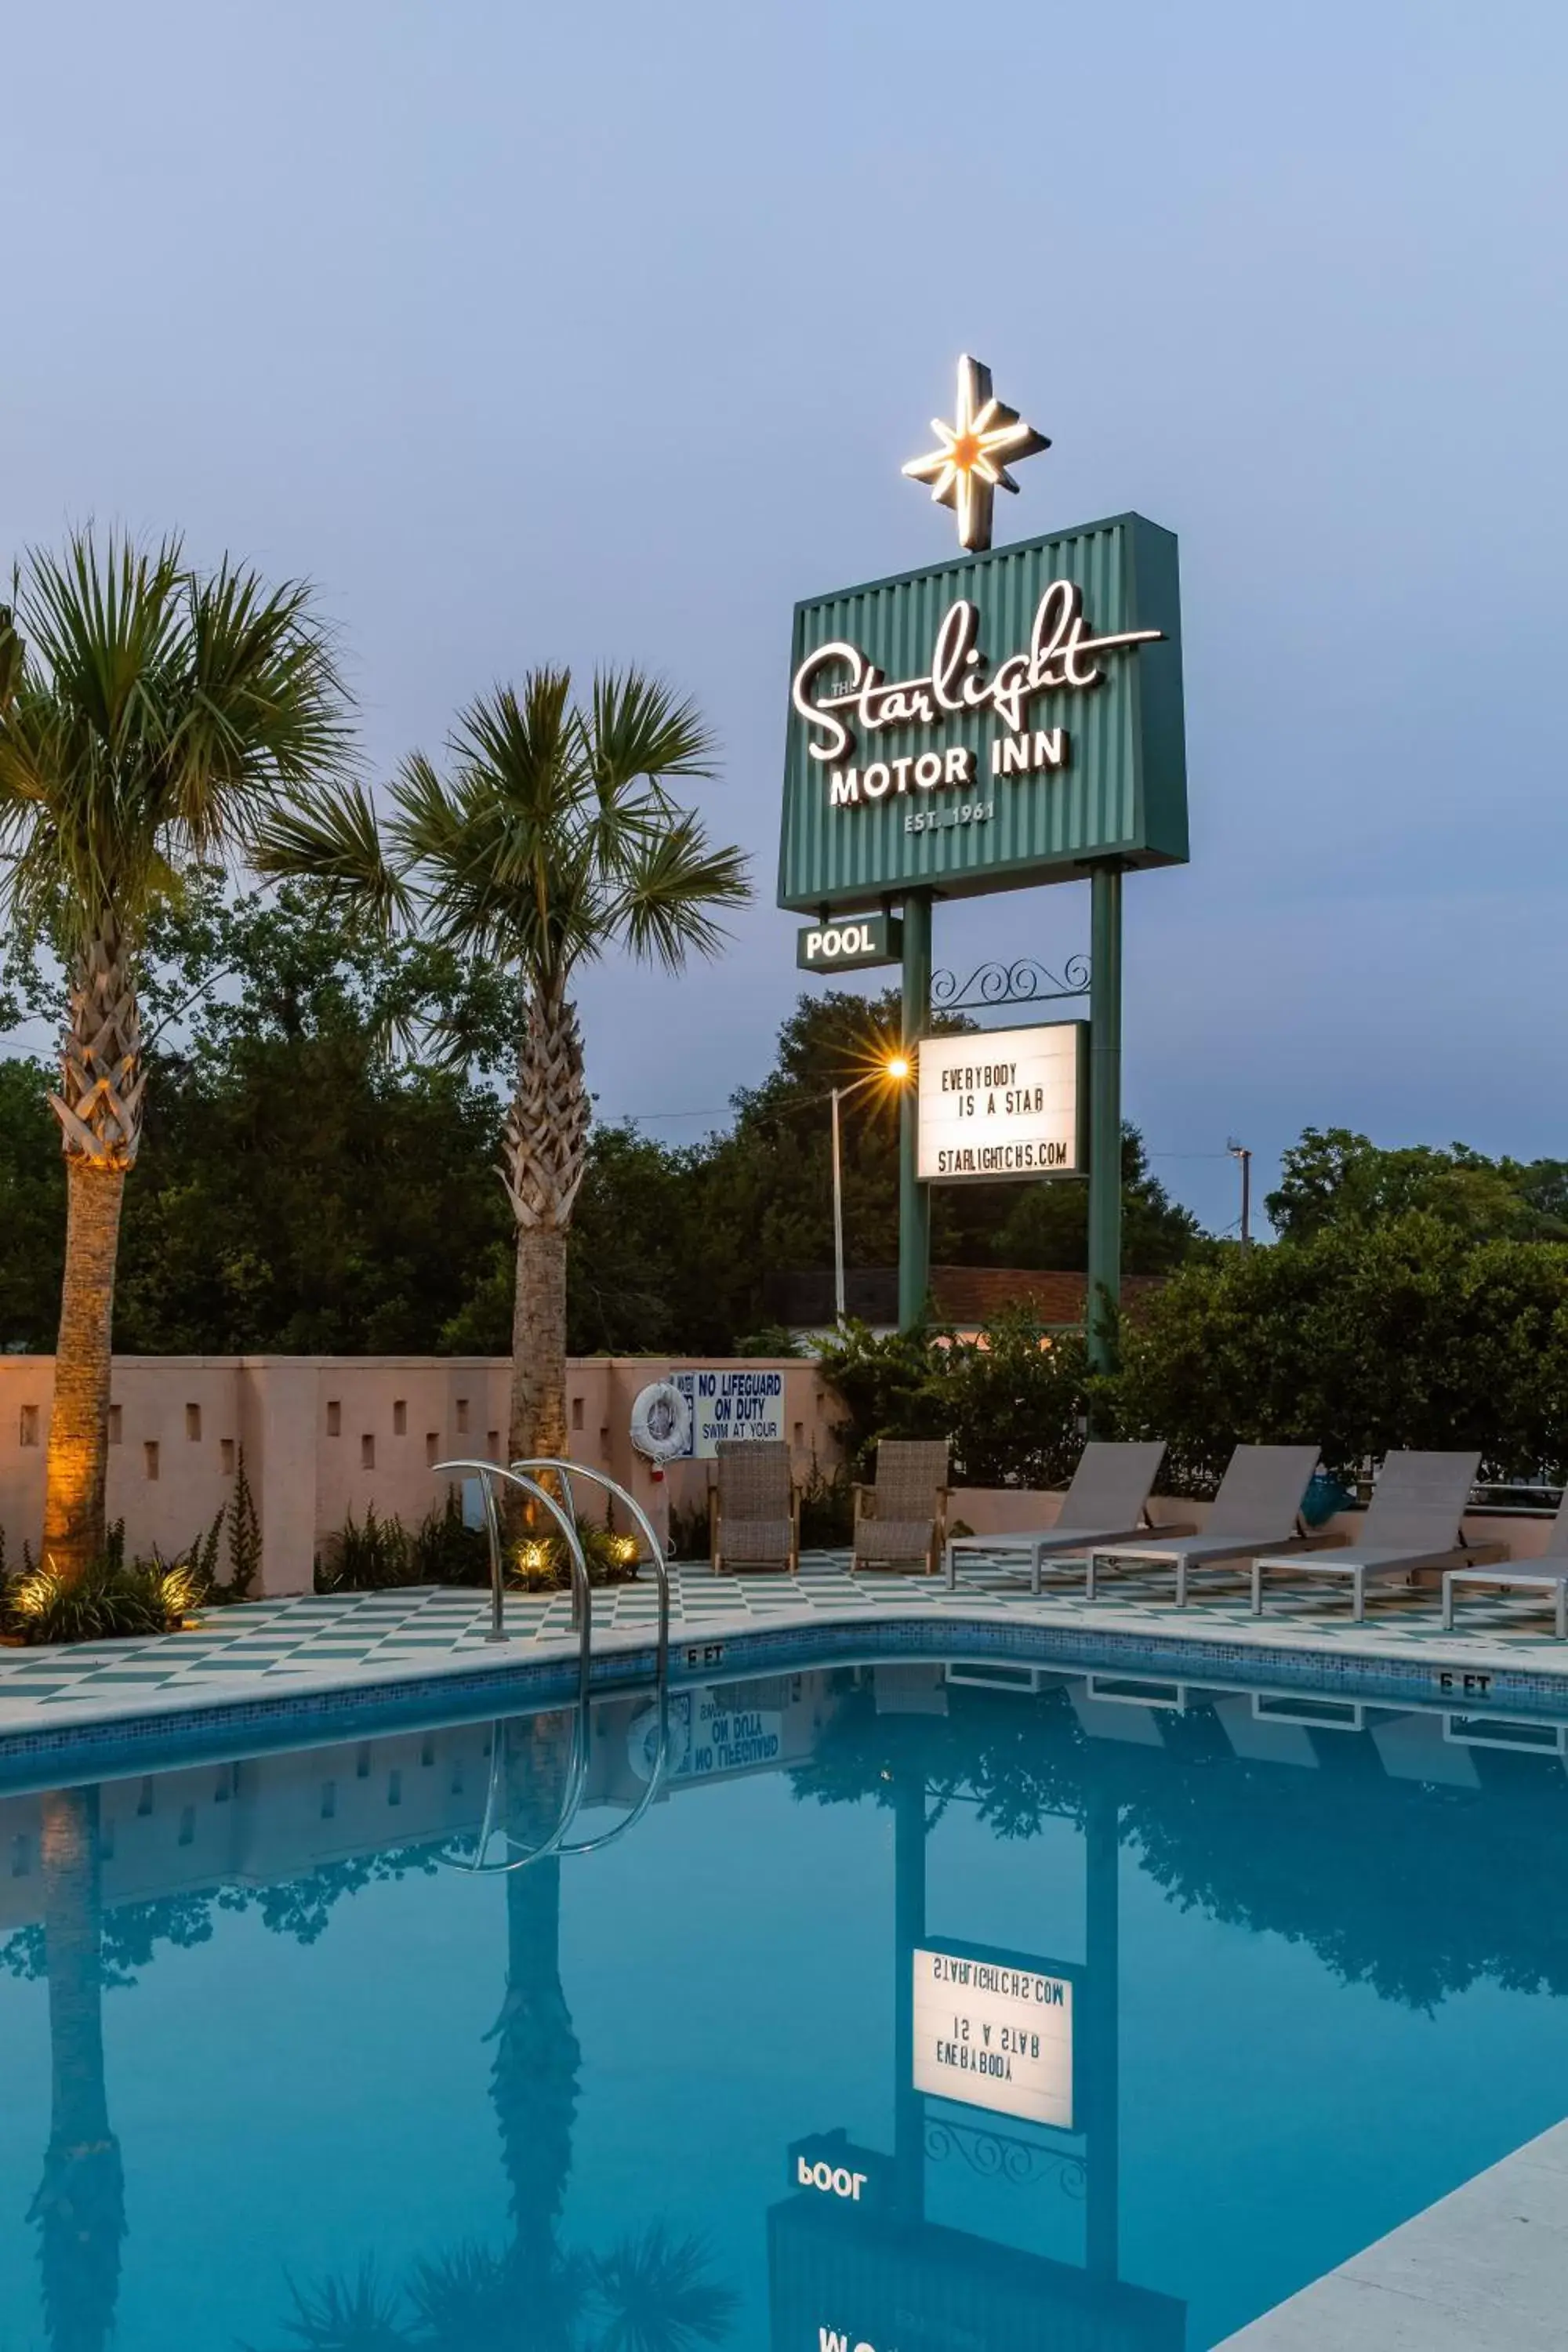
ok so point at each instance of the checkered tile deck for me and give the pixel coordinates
(320, 1639)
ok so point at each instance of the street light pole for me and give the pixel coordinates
(839, 1309)
(895, 1070)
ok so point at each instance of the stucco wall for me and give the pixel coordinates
(323, 1435)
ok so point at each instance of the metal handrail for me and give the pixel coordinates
(581, 1590)
(583, 1597)
(612, 1486)
(583, 1604)
(570, 1470)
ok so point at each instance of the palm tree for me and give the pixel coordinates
(80, 2204)
(552, 840)
(147, 716)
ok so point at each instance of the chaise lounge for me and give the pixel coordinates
(1106, 1502)
(1258, 1508)
(1415, 1520)
(1547, 1572)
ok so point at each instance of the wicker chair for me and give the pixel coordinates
(903, 1517)
(753, 1509)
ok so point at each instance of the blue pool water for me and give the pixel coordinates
(914, 2014)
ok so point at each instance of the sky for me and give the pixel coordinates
(599, 335)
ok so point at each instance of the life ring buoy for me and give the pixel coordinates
(661, 1422)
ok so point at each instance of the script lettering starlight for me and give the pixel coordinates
(1060, 658)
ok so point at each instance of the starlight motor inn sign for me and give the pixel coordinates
(1009, 717)
(1003, 719)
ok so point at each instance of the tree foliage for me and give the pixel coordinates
(1011, 1403)
(1335, 1179)
(1406, 1333)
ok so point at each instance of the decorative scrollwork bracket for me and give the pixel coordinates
(1023, 982)
(999, 2155)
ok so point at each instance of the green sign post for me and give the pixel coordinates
(1009, 717)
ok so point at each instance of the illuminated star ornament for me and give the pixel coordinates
(970, 462)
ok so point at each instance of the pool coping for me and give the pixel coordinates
(1481, 2270)
(1477, 1673)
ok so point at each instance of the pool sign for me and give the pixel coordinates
(1001, 720)
(1000, 1104)
(849, 942)
(731, 1403)
(990, 2033)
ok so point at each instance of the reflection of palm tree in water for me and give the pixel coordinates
(651, 2293)
(80, 2204)
(534, 2078)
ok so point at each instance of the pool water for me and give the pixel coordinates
(914, 2013)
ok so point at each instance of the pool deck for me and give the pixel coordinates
(1482, 2270)
(351, 1642)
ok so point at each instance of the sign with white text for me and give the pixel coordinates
(731, 1404)
(992, 2033)
(849, 943)
(1000, 720)
(1003, 1103)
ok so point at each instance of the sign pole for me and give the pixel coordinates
(914, 1198)
(1105, 1113)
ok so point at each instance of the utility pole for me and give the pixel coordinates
(1239, 1151)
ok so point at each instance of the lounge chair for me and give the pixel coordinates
(1547, 1572)
(1415, 1519)
(903, 1516)
(1257, 1509)
(753, 1510)
(1106, 1502)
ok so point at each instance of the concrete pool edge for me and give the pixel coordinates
(1481, 2270)
(99, 1733)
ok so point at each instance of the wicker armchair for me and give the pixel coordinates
(753, 1509)
(903, 1517)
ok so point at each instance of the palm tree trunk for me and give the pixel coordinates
(546, 1148)
(78, 1462)
(538, 1416)
(80, 2203)
(102, 1079)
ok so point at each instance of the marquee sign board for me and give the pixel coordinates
(995, 2032)
(1002, 719)
(1000, 1104)
(849, 943)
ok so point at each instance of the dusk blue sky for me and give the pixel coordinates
(600, 333)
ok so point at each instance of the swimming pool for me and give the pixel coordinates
(927, 2006)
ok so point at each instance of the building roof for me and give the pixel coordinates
(967, 1295)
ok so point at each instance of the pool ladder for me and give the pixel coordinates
(524, 1475)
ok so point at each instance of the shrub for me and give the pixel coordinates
(447, 1551)
(1011, 1404)
(107, 1601)
(1360, 1339)
(826, 1508)
(369, 1558)
(540, 1563)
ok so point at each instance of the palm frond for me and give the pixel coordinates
(671, 888)
(638, 727)
(261, 703)
(330, 837)
(352, 2313)
(155, 718)
(657, 2296)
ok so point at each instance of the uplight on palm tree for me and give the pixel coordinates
(551, 841)
(148, 716)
